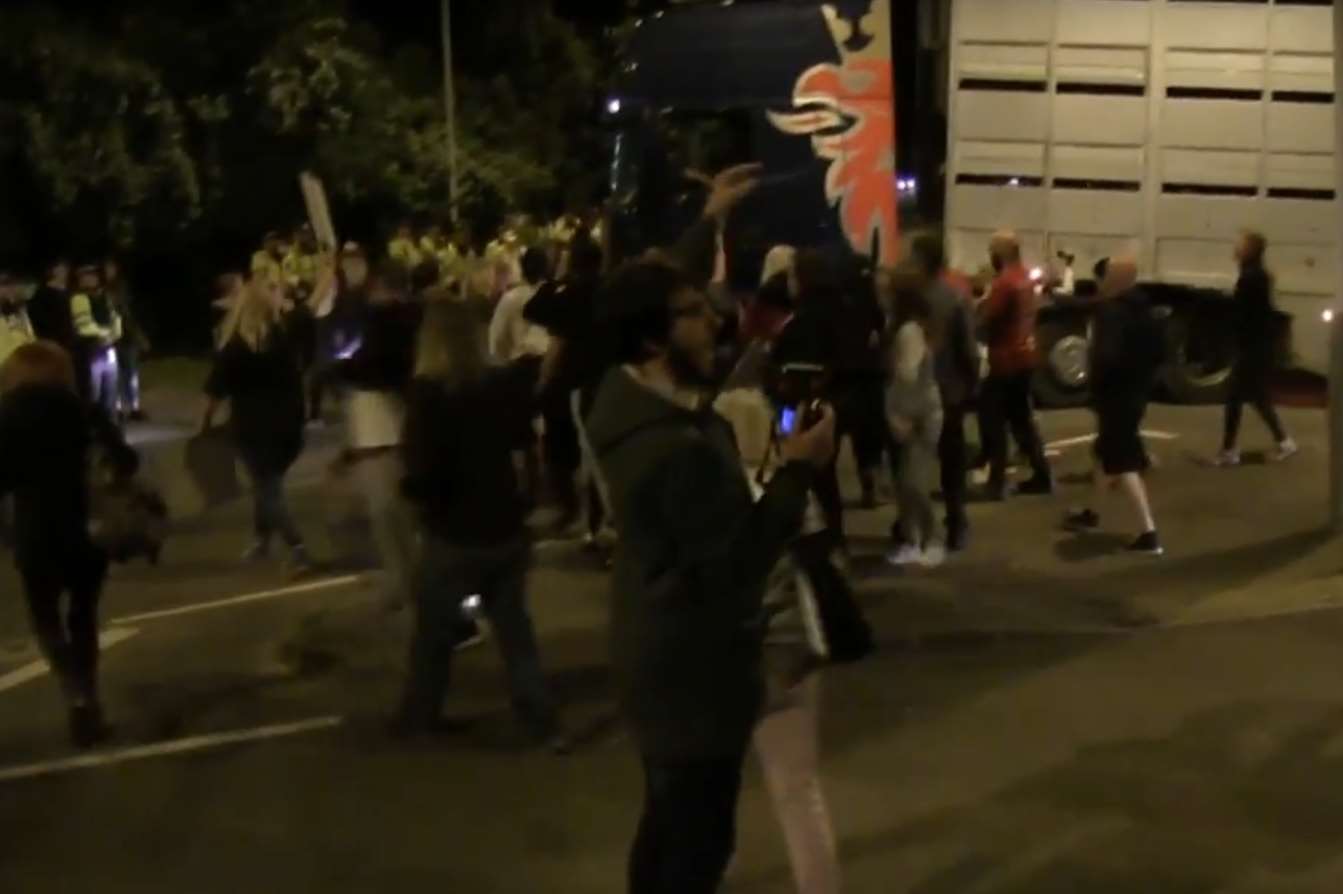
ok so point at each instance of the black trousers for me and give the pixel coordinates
(951, 453)
(1249, 385)
(860, 404)
(561, 454)
(1006, 401)
(67, 634)
(689, 826)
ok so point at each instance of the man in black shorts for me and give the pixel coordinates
(1126, 351)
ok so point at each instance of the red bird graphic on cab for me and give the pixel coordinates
(848, 111)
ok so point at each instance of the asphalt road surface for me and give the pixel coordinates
(1044, 714)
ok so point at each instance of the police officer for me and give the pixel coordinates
(268, 261)
(403, 248)
(15, 330)
(97, 329)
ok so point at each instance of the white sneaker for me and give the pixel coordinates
(934, 556)
(1286, 450)
(1227, 458)
(909, 554)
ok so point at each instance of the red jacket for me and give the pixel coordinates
(1008, 318)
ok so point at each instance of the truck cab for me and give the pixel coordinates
(803, 88)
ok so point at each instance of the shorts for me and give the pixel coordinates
(1119, 445)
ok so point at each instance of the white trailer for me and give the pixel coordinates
(1158, 127)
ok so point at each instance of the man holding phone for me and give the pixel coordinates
(695, 553)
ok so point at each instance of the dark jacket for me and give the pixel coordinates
(695, 553)
(1127, 349)
(265, 392)
(1257, 322)
(385, 358)
(458, 447)
(45, 436)
(856, 327)
(955, 348)
(810, 338)
(568, 311)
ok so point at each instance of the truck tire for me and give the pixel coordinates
(1199, 354)
(1063, 379)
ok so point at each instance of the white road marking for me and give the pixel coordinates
(1087, 439)
(36, 669)
(295, 590)
(165, 749)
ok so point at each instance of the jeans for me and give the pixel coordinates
(786, 742)
(271, 511)
(860, 405)
(70, 644)
(562, 456)
(689, 826)
(392, 520)
(1250, 386)
(914, 484)
(951, 452)
(104, 380)
(1007, 402)
(448, 573)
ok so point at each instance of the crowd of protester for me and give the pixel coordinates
(476, 386)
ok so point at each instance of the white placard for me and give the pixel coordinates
(319, 212)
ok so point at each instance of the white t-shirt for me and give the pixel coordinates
(373, 419)
(511, 336)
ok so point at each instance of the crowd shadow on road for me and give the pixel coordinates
(1086, 546)
(909, 685)
(1231, 800)
(1204, 574)
(175, 708)
(1207, 461)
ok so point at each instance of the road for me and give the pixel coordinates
(1044, 714)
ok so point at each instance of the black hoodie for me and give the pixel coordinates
(45, 436)
(695, 553)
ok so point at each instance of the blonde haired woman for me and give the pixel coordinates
(464, 420)
(257, 371)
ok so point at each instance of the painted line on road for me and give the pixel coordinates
(1087, 439)
(36, 669)
(230, 602)
(167, 749)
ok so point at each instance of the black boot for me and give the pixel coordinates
(87, 726)
(958, 536)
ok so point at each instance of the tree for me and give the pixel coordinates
(372, 140)
(103, 138)
(174, 132)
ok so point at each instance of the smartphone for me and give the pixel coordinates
(795, 419)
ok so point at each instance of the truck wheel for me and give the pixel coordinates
(1199, 354)
(1063, 378)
